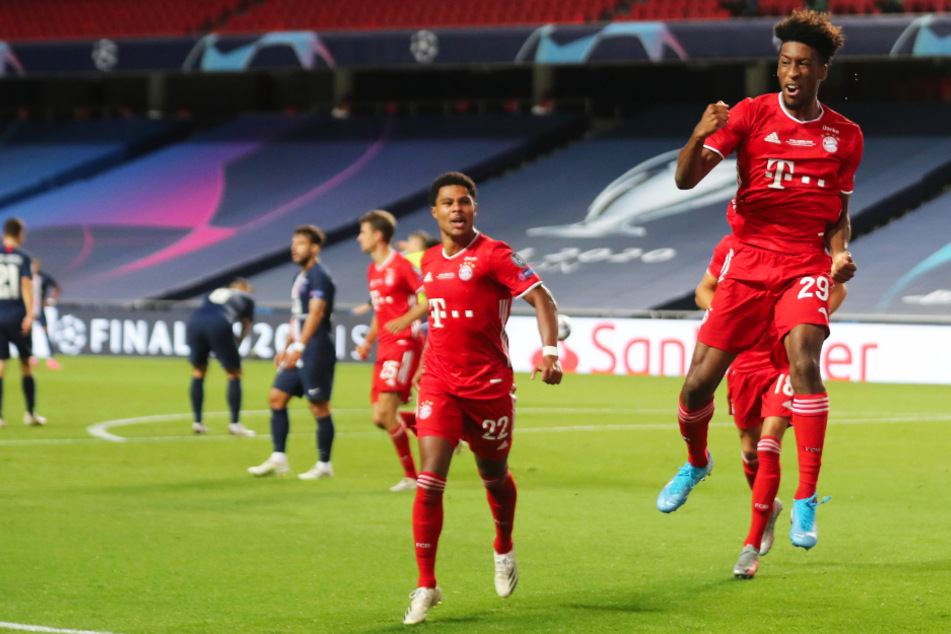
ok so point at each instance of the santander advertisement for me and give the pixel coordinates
(875, 353)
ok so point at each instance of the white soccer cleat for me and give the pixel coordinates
(506, 573)
(769, 534)
(276, 464)
(406, 484)
(319, 470)
(199, 428)
(237, 429)
(33, 420)
(423, 599)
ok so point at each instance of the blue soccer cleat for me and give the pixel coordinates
(673, 496)
(804, 532)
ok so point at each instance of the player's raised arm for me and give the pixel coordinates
(546, 312)
(694, 161)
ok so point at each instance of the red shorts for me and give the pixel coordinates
(758, 394)
(762, 287)
(778, 400)
(395, 366)
(486, 424)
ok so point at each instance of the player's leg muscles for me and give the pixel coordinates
(706, 371)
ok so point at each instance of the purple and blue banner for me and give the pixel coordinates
(903, 36)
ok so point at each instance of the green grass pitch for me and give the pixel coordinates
(167, 533)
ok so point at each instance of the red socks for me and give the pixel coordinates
(502, 494)
(401, 442)
(810, 417)
(693, 428)
(750, 467)
(765, 488)
(427, 525)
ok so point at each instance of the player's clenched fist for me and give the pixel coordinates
(714, 117)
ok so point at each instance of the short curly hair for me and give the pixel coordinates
(814, 29)
(451, 178)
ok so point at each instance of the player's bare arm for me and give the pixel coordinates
(402, 322)
(26, 292)
(315, 312)
(703, 295)
(695, 161)
(546, 312)
(363, 350)
(837, 240)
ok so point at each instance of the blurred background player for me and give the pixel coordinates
(305, 366)
(16, 315)
(466, 388)
(393, 284)
(210, 330)
(796, 168)
(46, 292)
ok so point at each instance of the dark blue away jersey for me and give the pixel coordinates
(14, 265)
(314, 282)
(232, 304)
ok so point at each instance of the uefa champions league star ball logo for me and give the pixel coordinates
(424, 45)
(105, 54)
(70, 334)
(465, 272)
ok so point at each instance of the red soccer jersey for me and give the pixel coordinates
(790, 173)
(470, 296)
(393, 287)
(759, 357)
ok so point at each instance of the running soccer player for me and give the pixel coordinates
(796, 166)
(466, 388)
(46, 292)
(305, 365)
(393, 283)
(16, 315)
(210, 330)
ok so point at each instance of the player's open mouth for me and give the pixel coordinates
(792, 90)
(457, 222)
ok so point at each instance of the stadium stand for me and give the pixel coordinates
(203, 208)
(85, 19)
(643, 245)
(905, 266)
(41, 155)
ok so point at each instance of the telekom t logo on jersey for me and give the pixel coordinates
(438, 312)
(780, 170)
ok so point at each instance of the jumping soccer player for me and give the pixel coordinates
(796, 167)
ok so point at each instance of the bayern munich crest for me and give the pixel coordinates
(830, 144)
(465, 272)
(425, 411)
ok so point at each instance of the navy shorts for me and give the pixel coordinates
(314, 377)
(41, 319)
(216, 335)
(12, 333)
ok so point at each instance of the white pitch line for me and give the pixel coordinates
(42, 628)
(99, 430)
